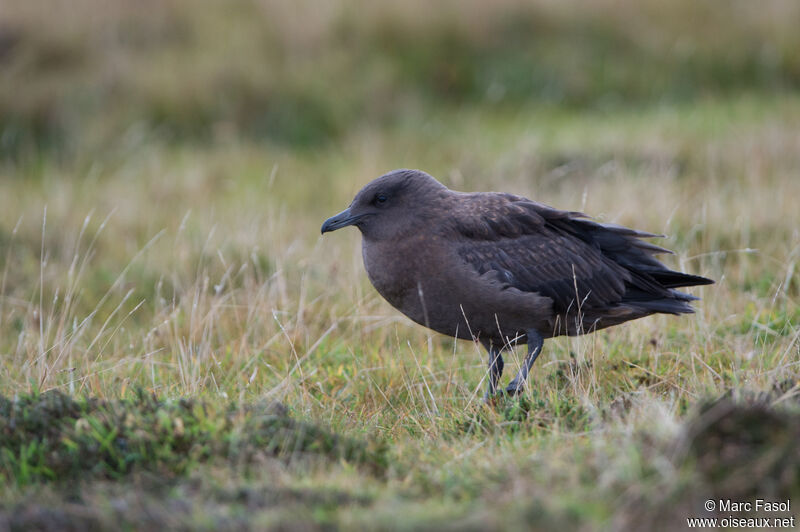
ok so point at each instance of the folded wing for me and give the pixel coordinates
(578, 263)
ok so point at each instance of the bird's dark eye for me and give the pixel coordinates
(380, 199)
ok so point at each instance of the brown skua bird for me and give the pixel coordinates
(502, 269)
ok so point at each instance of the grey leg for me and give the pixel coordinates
(495, 370)
(535, 342)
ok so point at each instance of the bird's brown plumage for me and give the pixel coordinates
(499, 268)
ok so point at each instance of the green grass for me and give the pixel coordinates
(179, 348)
(52, 437)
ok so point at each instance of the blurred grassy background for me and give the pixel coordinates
(80, 75)
(164, 170)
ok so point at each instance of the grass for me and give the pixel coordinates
(223, 293)
(52, 437)
(307, 75)
(180, 348)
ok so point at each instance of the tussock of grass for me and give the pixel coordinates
(53, 437)
(746, 449)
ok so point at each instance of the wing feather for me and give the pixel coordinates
(555, 270)
(559, 254)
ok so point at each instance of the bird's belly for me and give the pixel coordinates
(423, 302)
(413, 284)
(441, 299)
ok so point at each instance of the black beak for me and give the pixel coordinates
(343, 219)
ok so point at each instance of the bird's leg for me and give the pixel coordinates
(495, 370)
(535, 342)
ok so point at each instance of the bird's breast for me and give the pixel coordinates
(392, 268)
(417, 276)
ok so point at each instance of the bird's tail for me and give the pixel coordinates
(665, 305)
(673, 279)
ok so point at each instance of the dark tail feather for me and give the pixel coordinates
(671, 279)
(650, 288)
(668, 306)
(670, 301)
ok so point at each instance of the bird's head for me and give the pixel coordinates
(391, 205)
